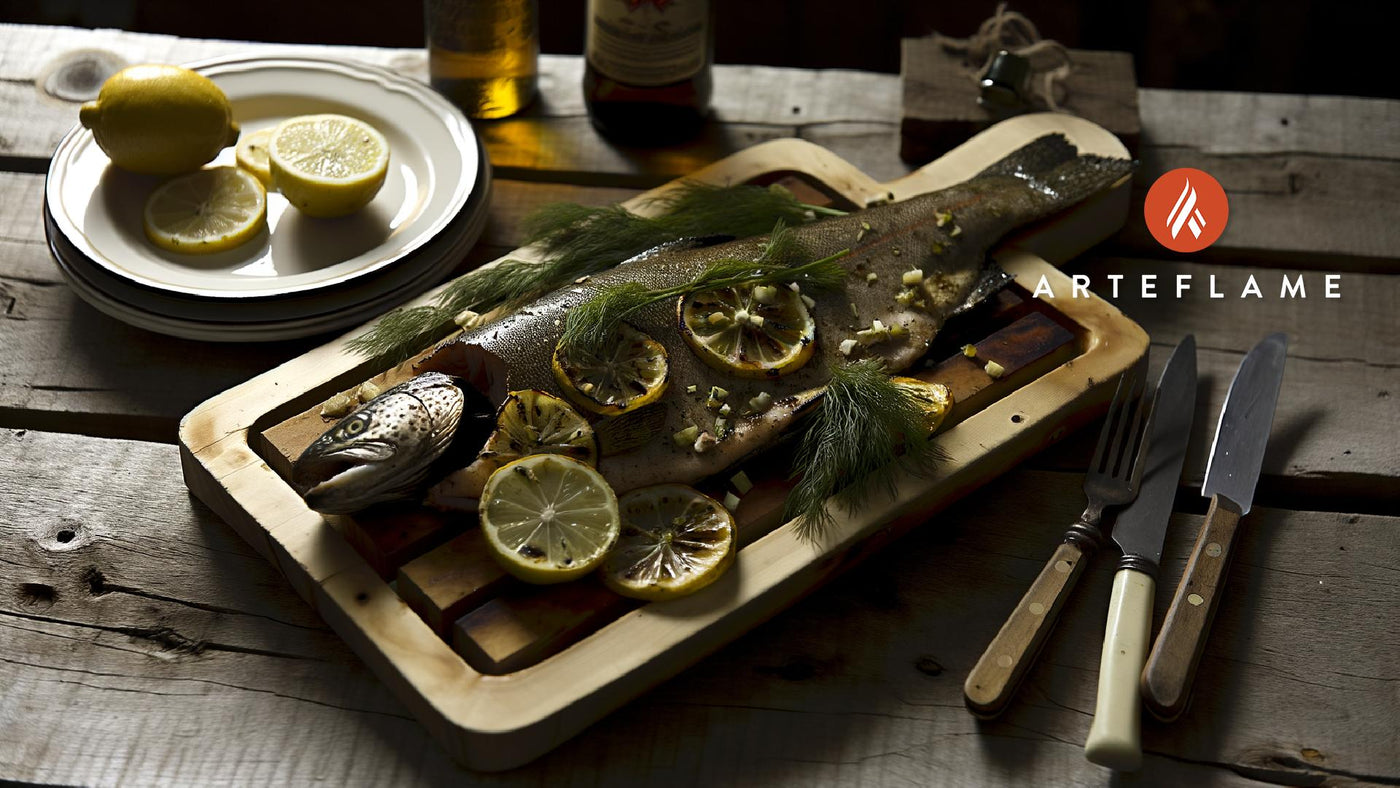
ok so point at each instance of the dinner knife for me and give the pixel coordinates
(1114, 737)
(1231, 475)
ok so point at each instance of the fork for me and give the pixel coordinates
(1112, 481)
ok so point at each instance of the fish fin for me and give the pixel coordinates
(678, 245)
(989, 283)
(630, 430)
(1056, 173)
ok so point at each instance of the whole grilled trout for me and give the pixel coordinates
(945, 234)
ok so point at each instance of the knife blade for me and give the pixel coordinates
(1139, 530)
(1237, 456)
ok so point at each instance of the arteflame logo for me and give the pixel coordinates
(1186, 210)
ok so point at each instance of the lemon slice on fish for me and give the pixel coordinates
(206, 211)
(754, 331)
(935, 399)
(534, 422)
(628, 373)
(548, 519)
(675, 541)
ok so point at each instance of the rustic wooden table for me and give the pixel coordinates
(142, 642)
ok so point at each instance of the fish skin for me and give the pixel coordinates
(385, 449)
(1036, 181)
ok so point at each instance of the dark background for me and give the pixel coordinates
(1290, 46)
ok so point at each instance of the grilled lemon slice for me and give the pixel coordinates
(675, 541)
(934, 398)
(754, 331)
(630, 372)
(534, 422)
(548, 519)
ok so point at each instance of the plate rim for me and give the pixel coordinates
(468, 146)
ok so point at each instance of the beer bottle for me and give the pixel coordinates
(647, 74)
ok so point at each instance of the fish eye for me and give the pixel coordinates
(355, 427)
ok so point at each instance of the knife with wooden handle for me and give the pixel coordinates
(1231, 476)
(1114, 736)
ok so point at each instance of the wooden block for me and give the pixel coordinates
(520, 629)
(388, 537)
(446, 582)
(940, 108)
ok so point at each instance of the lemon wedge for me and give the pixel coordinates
(160, 120)
(935, 399)
(206, 211)
(630, 372)
(548, 519)
(251, 154)
(753, 331)
(675, 540)
(328, 165)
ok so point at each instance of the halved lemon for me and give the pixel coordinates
(754, 331)
(629, 372)
(206, 211)
(548, 519)
(251, 154)
(534, 422)
(675, 541)
(935, 399)
(328, 165)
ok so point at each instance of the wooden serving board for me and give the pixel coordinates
(501, 672)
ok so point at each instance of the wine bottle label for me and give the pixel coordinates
(647, 42)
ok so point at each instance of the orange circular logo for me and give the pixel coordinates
(1186, 210)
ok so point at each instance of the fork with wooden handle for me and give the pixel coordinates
(1111, 481)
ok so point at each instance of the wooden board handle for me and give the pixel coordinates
(1115, 737)
(1171, 667)
(995, 677)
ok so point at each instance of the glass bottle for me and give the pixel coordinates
(647, 76)
(484, 54)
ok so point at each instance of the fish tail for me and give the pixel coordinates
(1055, 175)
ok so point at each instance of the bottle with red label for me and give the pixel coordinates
(647, 76)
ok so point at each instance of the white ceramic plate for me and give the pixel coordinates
(434, 165)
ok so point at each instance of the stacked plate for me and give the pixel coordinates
(302, 276)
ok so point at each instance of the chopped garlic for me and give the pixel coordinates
(690, 389)
(717, 318)
(741, 482)
(338, 405)
(721, 426)
(731, 501)
(704, 442)
(718, 393)
(854, 311)
(756, 321)
(808, 301)
(994, 369)
(586, 387)
(760, 401)
(794, 287)
(687, 436)
(847, 345)
(905, 297)
(956, 232)
(467, 319)
(725, 409)
(872, 276)
(912, 277)
(943, 218)
(765, 294)
(367, 391)
(970, 351)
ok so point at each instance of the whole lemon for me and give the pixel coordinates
(160, 120)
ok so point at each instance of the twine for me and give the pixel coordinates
(1049, 59)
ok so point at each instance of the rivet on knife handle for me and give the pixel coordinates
(993, 681)
(1171, 667)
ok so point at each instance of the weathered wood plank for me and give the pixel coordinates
(208, 670)
(1339, 387)
(65, 366)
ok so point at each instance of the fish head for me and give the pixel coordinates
(384, 450)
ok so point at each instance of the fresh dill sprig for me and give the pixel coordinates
(591, 324)
(852, 442)
(576, 241)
